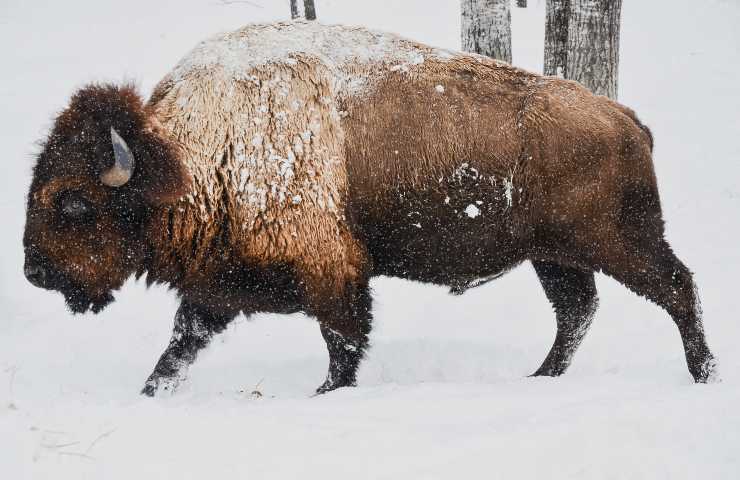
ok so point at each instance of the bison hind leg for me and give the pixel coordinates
(641, 259)
(654, 272)
(572, 293)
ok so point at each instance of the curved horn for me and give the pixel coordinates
(123, 167)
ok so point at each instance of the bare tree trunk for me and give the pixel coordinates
(582, 43)
(302, 9)
(295, 10)
(556, 38)
(593, 45)
(310, 9)
(486, 28)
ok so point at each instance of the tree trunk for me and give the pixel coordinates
(582, 43)
(295, 10)
(310, 9)
(593, 45)
(486, 28)
(302, 9)
(556, 37)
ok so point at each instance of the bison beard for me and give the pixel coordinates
(286, 185)
(79, 302)
(75, 295)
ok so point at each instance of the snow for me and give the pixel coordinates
(338, 47)
(444, 391)
(509, 190)
(472, 211)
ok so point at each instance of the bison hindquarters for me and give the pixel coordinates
(629, 246)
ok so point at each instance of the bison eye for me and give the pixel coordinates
(74, 206)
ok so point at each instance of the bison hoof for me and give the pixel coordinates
(328, 386)
(548, 372)
(160, 386)
(708, 372)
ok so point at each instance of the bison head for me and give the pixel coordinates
(104, 168)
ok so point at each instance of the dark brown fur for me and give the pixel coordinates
(72, 158)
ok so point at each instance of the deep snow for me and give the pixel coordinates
(444, 392)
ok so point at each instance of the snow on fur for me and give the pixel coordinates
(340, 48)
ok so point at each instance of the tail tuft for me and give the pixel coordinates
(630, 113)
(647, 131)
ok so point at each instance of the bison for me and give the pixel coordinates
(279, 167)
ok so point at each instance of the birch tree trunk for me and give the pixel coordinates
(310, 9)
(556, 37)
(593, 45)
(486, 28)
(296, 10)
(582, 43)
(302, 9)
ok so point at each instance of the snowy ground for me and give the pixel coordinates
(444, 392)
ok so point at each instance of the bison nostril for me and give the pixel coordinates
(35, 274)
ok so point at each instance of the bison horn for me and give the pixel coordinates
(123, 166)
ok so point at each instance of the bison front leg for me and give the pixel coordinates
(345, 326)
(572, 294)
(193, 330)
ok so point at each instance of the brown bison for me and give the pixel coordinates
(279, 167)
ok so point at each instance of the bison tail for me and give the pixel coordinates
(645, 129)
(633, 116)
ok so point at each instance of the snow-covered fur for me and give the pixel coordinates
(258, 113)
(279, 167)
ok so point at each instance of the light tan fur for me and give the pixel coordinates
(267, 157)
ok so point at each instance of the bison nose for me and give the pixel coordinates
(36, 275)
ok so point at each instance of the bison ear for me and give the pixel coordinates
(161, 177)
